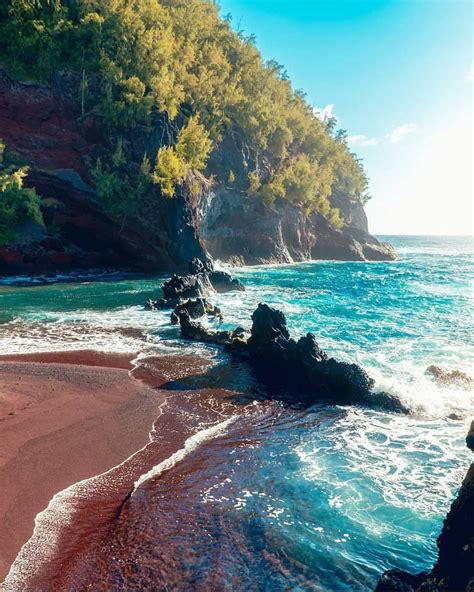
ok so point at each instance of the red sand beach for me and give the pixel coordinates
(64, 417)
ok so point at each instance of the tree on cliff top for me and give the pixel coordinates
(181, 58)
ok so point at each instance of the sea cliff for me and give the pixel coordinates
(42, 124)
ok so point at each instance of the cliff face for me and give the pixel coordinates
(454, 569)
(43, 125)
(244, 230)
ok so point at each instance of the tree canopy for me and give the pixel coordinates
(180, 57)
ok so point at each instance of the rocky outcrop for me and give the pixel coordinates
(242, 229)
(296, 371)
(450, 377)
(470, 437)
(454, 569)
(201, 281)
(305, 369)
(196, 331)
(44, 127)
(195, 309)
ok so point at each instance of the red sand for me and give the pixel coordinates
(64, 417)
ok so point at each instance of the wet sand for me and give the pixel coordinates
(64, 417)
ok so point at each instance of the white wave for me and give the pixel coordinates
(191, 444)
(391, 458)
(49, 524)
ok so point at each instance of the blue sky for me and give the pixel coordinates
(398, 75)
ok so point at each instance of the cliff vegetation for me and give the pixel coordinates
(177, 61)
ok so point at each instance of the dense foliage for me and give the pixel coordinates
(181, 58)
(17, 203)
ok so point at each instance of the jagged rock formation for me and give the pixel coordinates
(306, 373)
(454, 569)
(195, 309)
(44, 126)
(188, 292)
(305, 368)
(201, 281)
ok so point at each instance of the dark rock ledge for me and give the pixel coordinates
(454, 569)
(201, 281)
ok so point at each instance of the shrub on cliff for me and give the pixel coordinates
(180, 58)
(18, 204)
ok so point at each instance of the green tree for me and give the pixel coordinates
(17, 204)
(169, 170)
(194, 145)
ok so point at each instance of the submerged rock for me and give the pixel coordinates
(450, 377)
(454, 569)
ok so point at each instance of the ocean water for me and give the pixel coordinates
(276, 498)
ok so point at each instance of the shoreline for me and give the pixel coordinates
(78, 431)
(64, 417)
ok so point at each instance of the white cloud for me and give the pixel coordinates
(361, 140)
(400, 132)
(325, 113)
(470, 74)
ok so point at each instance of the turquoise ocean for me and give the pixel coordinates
(284, 499)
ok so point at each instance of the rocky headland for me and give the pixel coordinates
(42, 124)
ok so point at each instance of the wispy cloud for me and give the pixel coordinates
(361, 140)
(396, 135)
(324, 113)
(400, 132)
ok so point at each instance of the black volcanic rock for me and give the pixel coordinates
(201, 281)
(470, 437)
(301, 367)
(454, 569)
(181, 287)
(223, 282)
(195, 309)
(197, 265)
(305, 369)
(197, 332)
